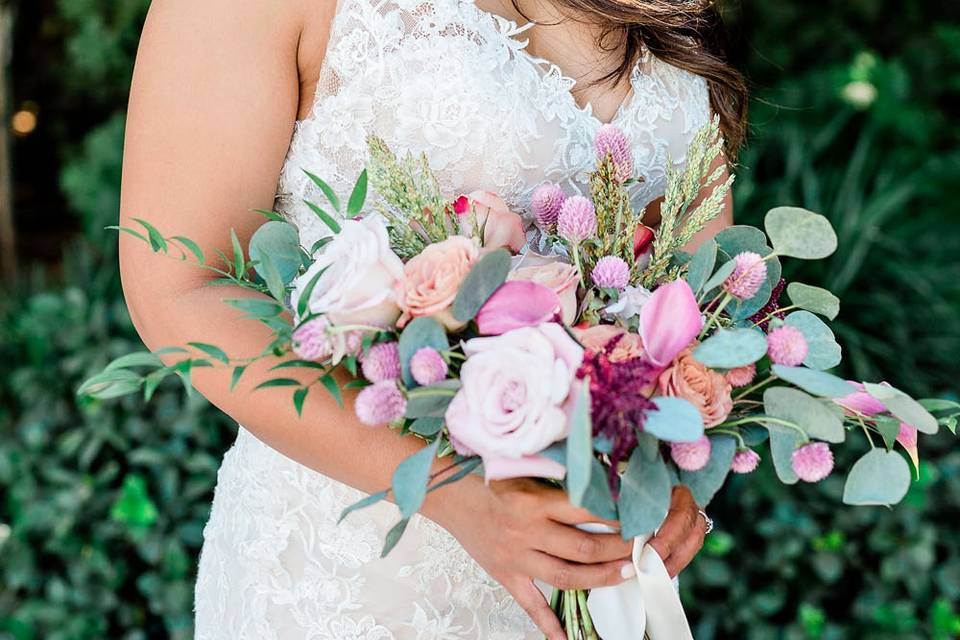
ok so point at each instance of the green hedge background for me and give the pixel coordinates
(855, 115)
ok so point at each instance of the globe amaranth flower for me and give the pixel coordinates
(748, 275)
(577, 220)
(812, 462)
(381, 403)
(612, 142)
(428, 367)
(742, 376)
(381, 362)
(745, 461)
(691, 456)
(546, 203)
(611, 272)
(787, 346)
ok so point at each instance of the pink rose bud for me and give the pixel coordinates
(742, 376)
(812, 462)
(381, 403)
(745, 461)
(428, 367)
(642, 238)
(611, 272)
(787, 346)
(382, 362)
(546, 203)
(612, 142)
(748, 276)
(577, 220)
(461, 206)
(691, 456)
(312, 341)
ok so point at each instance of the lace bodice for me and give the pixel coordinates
(445, 78)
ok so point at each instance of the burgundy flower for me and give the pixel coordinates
(772, 308)
(618, 401)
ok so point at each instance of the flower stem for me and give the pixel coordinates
(750, 390)
(588, 629)
(570, 616)
(714, 317)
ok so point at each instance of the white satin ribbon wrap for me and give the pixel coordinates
(647, 604)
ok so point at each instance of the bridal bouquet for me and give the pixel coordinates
(614, 364)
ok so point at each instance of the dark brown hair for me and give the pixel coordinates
(688, 34)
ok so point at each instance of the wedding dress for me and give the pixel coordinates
(446, 78)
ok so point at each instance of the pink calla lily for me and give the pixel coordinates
(503, 468)
(864, 404)
(516, 304)
(669, 322)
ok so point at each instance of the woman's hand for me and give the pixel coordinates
(681, 535)
(520, 530)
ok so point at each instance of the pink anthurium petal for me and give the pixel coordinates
(516, 304)
(861, 402)
(908, 440)
(669, 322)
(502, 468)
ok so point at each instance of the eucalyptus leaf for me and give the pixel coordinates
(814, 299)
(598, 499)
(723, 272)
(427, 426)
(904, 407)
(889, 429)
(418, 334)
(432, 401)
(370, 500)
(819, 383)
(705, 483)
(817, 418)
(111, 384)
(411, 478)
(823, 352)
(644, 494)
(878, 478)
(138, 359)
(799, 233)
(484, 278)
(280, 244)
(701, 265)
(731, 348)
(783, 442)
(739, 238)
(674, 420)
(579, 447)
(393, 537)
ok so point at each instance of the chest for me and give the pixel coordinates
(450, 80)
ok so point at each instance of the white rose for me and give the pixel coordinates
(516, 393)
(360, 272)
(630, 303)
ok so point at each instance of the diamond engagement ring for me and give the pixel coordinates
(708, 520)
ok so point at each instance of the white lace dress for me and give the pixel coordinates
(446, 78)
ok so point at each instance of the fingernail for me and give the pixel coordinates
(628, 571)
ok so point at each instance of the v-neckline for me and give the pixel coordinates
(507, 29)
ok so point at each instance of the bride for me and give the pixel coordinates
(231, 102)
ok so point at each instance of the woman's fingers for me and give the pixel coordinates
(560, 509)
(569, 543)
(681, 521)
(571, 575)
(686, 551)
(529, 597)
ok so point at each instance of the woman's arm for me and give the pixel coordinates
(212, 108)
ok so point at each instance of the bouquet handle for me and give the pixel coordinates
(649, 604)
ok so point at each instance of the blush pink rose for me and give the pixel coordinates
(515, 400)
(704, 388)
(553, 274)
(598, 338)
(432, 278)
(501, 227)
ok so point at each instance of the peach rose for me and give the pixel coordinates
(553, 274)
(597, 338)
(431, 280)
(704, 388)
(501, 227)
